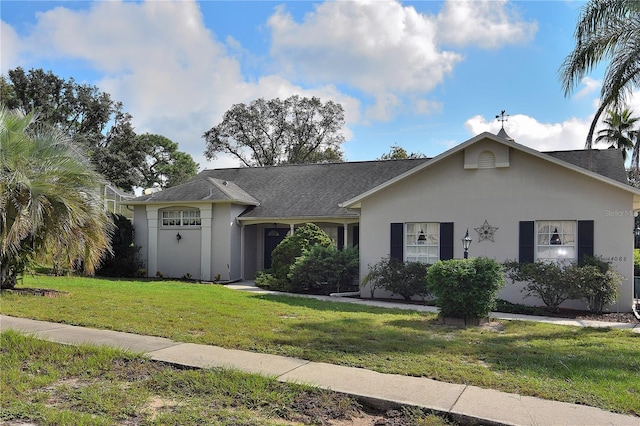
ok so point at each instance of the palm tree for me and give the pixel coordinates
(607, 30)
(620, 132)
(50, 204)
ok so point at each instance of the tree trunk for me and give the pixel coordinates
(8, 277)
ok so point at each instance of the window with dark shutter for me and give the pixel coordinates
(397, 242)
(446, 240)
(585, 239)
(526, 251)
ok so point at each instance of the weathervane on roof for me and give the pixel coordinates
(502, 117)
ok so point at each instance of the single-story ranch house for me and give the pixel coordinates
(516, 203)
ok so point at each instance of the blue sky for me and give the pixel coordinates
(425, 75)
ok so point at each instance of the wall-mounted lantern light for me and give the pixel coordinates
(466, 242)
(178, 237)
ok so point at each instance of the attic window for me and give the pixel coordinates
(486, 160)
(189, 217)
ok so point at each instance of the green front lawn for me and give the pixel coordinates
(597, 367)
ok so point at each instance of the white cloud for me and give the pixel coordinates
(487, 24)
(375, 46)
(589, 85)
(387, 50)
(10, 42)
(567, 135)
(158, 58)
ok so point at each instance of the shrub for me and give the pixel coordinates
(292, 247)
(546, 280)
(636, 262)
(595, 282)
(465, 288)
(124, 261)
(264, 279)
(324, 270)
(407, 279)
(592, 280)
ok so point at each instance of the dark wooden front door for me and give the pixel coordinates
(271, 241)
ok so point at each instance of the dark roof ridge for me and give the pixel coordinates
(573, 150)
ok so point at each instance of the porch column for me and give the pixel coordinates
(152, 243)
(345, 231)
(292, 229)
(206, 228)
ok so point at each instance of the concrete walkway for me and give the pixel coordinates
(468, 404)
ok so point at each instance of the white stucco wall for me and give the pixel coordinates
(529, 189)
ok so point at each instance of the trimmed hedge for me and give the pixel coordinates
(465, 288)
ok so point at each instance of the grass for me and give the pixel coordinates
(54, 384)
(596, 367)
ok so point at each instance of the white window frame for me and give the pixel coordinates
(418, 250)
(556, 240)
(180, 218)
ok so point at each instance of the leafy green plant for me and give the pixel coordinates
(636, 262)
(546, 280)
(407, 279)
(324, 269)
(292, 247)
(465, 288)
(265, 279)
(591, 280)
(595, 282)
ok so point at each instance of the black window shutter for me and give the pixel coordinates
(446, 240)
(585, 239)
(340, 237)
(526, 251)
(397, 242)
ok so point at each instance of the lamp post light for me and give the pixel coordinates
(466, 242)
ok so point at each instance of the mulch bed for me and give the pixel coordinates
(45, 292)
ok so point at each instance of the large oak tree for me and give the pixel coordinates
(271, 132)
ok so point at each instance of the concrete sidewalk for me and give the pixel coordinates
(468, 404)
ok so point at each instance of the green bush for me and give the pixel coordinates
(324, 270)
(407, 279)
(546, 280)
(124, 261)
(595, 282)
(592, 280)
(636, 262)
(292, 247)
(266, 280)
(465, 288)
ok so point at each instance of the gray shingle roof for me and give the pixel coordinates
(316, 190)
(303, 190)
(202, 188)
(605, 162)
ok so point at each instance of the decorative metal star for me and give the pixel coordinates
(485, 232)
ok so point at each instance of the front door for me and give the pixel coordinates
(271, 240)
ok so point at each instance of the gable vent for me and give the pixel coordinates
(486, 160)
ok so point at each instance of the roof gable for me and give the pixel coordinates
(608, 166)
